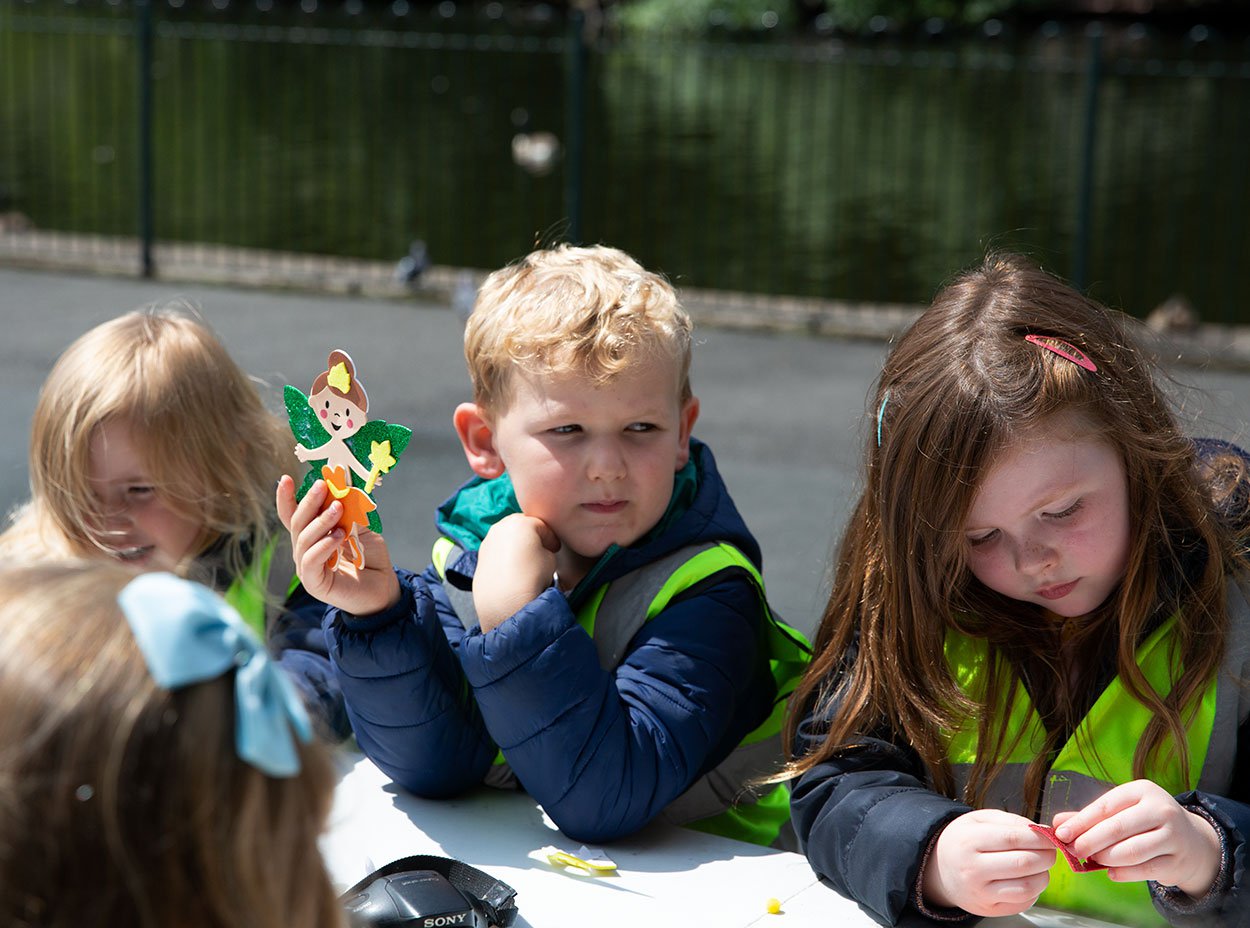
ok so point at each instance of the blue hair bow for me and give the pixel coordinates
(189, 634)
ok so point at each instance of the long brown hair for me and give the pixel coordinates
(960, 385)
(122, 803)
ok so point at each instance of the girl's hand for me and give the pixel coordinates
(515, 563)
(987, 862)
(314, 539)
(1141, 833)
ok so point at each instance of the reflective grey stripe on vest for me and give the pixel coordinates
(621, 615)
(259, 608)
(281, 575)
(1063, 791)
(1005, 791)
(1232, 695)
(462, 602)
(727, 784)
(627, 600)
(1067, 790)
(498, 775)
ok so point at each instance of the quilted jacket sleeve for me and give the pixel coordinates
(1227, 905)
(605, 751)
(865, 820)
(406, 695)
(298, 643)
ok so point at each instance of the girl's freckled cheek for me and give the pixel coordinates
(324, 413)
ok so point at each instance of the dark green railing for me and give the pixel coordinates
(860, 172)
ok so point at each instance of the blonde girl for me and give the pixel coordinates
(150, 446)
(124, 801)
(1037, 617)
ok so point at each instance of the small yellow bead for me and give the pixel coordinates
(774, 906)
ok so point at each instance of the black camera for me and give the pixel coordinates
(429, 892)
(415, 897)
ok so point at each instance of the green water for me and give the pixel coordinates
(867, 173)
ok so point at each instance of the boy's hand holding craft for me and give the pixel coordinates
(315, 539)
(1139, 832)
(987, 862)
(335, 532)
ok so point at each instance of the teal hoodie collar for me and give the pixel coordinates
(480, 503)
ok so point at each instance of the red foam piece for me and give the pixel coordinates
(1077, 865)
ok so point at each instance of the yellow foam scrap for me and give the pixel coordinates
(588, 864)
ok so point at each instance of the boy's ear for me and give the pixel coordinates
(477, 437)
(685, 424)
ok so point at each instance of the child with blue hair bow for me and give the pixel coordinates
(157, 766)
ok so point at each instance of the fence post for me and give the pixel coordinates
(1089, 140)
(143, 10)
(574, 121)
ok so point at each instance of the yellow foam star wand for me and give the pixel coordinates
(380, 458)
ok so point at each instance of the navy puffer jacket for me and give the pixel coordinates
(603, 751)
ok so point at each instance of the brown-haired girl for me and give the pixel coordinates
(128, 795)
(150, 446)
(1037, 616)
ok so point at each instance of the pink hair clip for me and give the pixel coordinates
(1064, 350)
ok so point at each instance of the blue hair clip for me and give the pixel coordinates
(189, 634)
(881, 414)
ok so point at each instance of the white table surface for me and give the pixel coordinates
(666, 876)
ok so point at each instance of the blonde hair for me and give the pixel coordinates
(961, 384)
(122, 803)
(211, 449)
(586, 310)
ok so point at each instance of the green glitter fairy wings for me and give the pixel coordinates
(308, 432)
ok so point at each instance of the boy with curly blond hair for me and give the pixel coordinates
(593, 625)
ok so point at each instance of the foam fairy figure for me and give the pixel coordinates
(333, 426)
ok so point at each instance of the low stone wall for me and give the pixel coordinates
(1208, 345)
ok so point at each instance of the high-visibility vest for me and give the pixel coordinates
(1099, 754)
(727, 800)
(260, 591)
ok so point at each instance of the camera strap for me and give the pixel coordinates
(497, 898)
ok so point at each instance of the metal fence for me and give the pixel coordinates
(813, 168)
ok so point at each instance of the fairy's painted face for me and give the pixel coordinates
(337, 414)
